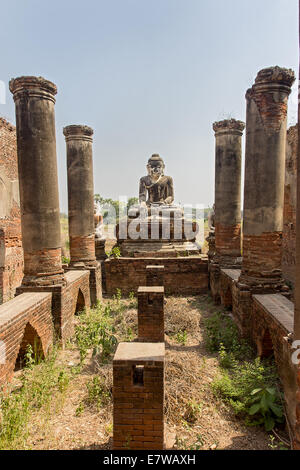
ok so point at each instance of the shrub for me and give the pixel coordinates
(95, 331)
(250, 388)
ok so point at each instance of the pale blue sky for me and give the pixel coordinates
(150, 76)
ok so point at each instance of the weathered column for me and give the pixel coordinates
(264, 177)
(35, 123)
(296, 443)
(228, 190)
(80, 194)
(289, 211)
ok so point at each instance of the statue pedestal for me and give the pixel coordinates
(158, 244)
(157, 231)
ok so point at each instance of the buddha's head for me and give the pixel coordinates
(155, 167)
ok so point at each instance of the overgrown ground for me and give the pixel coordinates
(65, 402)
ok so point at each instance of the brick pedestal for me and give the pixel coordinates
(138, 396)
(151, 326)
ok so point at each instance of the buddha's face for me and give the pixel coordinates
(155, 169)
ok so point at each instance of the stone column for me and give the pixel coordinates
(266, 132)
(80, 194)
(37, 166)
(228, 190)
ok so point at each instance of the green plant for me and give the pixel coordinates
(114, 253)
(65, 260)
(221, 334)
(182, 444)
(264, 406)
(43, 388)
(250, 388)
(181, 337)
(80, 409)
(98, 392)
(193, 411)
(96, 331)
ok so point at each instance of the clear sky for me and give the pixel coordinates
(150, 76)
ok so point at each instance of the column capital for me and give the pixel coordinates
(78, 132)
(229, 126)
(31, 86)
(272, 79)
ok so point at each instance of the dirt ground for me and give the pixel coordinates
(190, 369)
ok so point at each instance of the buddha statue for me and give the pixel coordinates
(156, 188)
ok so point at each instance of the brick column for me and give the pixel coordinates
(80, 194)
(264, 177)
(151, 327)
(81, 205)
(228, 191)
(138, 396)
(35, 124)
(155, 275)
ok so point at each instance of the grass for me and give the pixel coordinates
(250, 385)
(42, 388)
(73, 387)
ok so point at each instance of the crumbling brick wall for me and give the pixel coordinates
(289, 211)
(67, 301)
(11, 253)
(271, 323)
(26, 319)
(182, 276)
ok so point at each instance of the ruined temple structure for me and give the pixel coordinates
(11, 253)
(47, 297)
(157, 233)
(251, 267)
(259, 288)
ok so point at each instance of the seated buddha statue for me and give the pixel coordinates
(156, 188)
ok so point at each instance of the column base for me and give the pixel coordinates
(215, 265)
(45, 279)
(242, 301)
(95, 281)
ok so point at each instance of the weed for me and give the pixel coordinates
(181, 337)
(98, 392)
(193, 411)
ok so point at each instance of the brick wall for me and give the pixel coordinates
(271, 323)
(151, 325)
(66, 301)
(11, 253)
(289, 210)
(182, 276)
(24, 320)
(155, 275)
(138, 396)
